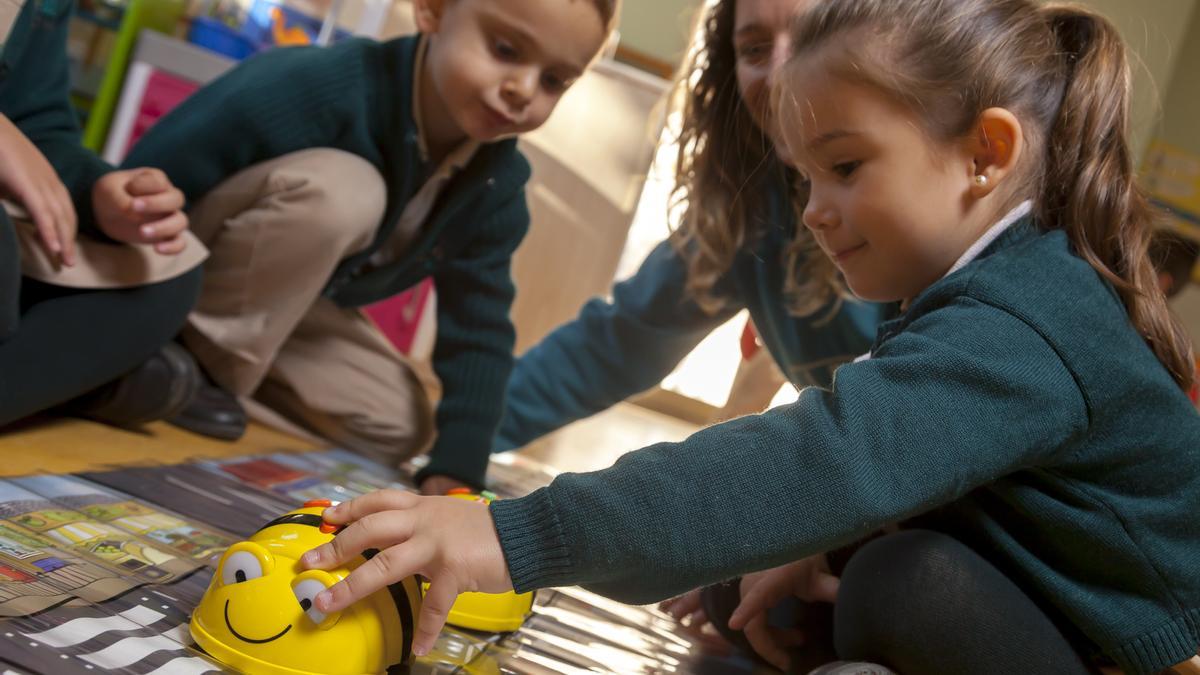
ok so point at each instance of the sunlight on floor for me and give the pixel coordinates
(596, 442)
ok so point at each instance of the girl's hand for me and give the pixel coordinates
(451, 542)
(685, 608)
(688, 611)
(27, 177)
(808, 579)
(141, 206)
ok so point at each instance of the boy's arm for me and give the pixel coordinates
(278, 102)
(473, 352)
(612, 350)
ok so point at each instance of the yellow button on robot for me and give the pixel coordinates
(258, 616)
(494, 612)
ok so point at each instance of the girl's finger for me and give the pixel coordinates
(44, 221)
(682, 605)
(757, 599)
(380, 500)
(387, 567)
(67, 224)
(764, 643)
(824, 587)
(440, 597)
(696, 619)
(67, 237)
(377, 531)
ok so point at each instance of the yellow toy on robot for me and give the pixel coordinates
(257, 614)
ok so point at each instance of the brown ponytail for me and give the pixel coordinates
(1091, 190)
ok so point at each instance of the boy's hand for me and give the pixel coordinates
(438, 486)
(451, 542)
(141, 206)
(27, 177)
(808, 579)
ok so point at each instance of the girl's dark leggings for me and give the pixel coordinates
(920, 603)
(57, 343)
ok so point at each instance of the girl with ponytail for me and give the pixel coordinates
(1016, 445)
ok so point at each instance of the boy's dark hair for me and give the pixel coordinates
(1174, 255)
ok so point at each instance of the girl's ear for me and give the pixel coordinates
(428, 14)
(995, 146)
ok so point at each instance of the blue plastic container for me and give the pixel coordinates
(212, 34)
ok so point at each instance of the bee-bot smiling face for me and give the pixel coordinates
(258, 615)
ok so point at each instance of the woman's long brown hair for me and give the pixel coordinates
(724, 169)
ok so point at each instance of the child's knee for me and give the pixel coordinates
(901, 572)
(10, 318)
(389, 440)
(10, 304)
(336, 198)
(177, 297)
(388, 420)
(10, 279)
(169, 302)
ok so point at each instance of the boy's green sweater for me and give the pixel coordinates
(357, 96)
(1013, 404)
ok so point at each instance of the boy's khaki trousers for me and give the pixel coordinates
(276, 231)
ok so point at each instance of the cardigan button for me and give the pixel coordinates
(491, 182)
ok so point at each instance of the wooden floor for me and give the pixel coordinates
(66, 445)
(596, 442)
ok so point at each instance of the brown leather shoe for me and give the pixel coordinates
(159, 388)
(212, 412)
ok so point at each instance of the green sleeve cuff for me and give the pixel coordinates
(533, 541)
(462, 452)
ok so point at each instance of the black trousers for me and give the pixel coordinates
(57, 343)
(921, 603)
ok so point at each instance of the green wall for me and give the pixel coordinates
(1155, 29)
(1181, 107)
(1158, 32)
(1181, 128)
(658, 28)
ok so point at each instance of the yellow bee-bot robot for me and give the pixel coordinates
(492, 612)
(258, 616)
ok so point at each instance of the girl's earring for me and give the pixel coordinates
(981, 180)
